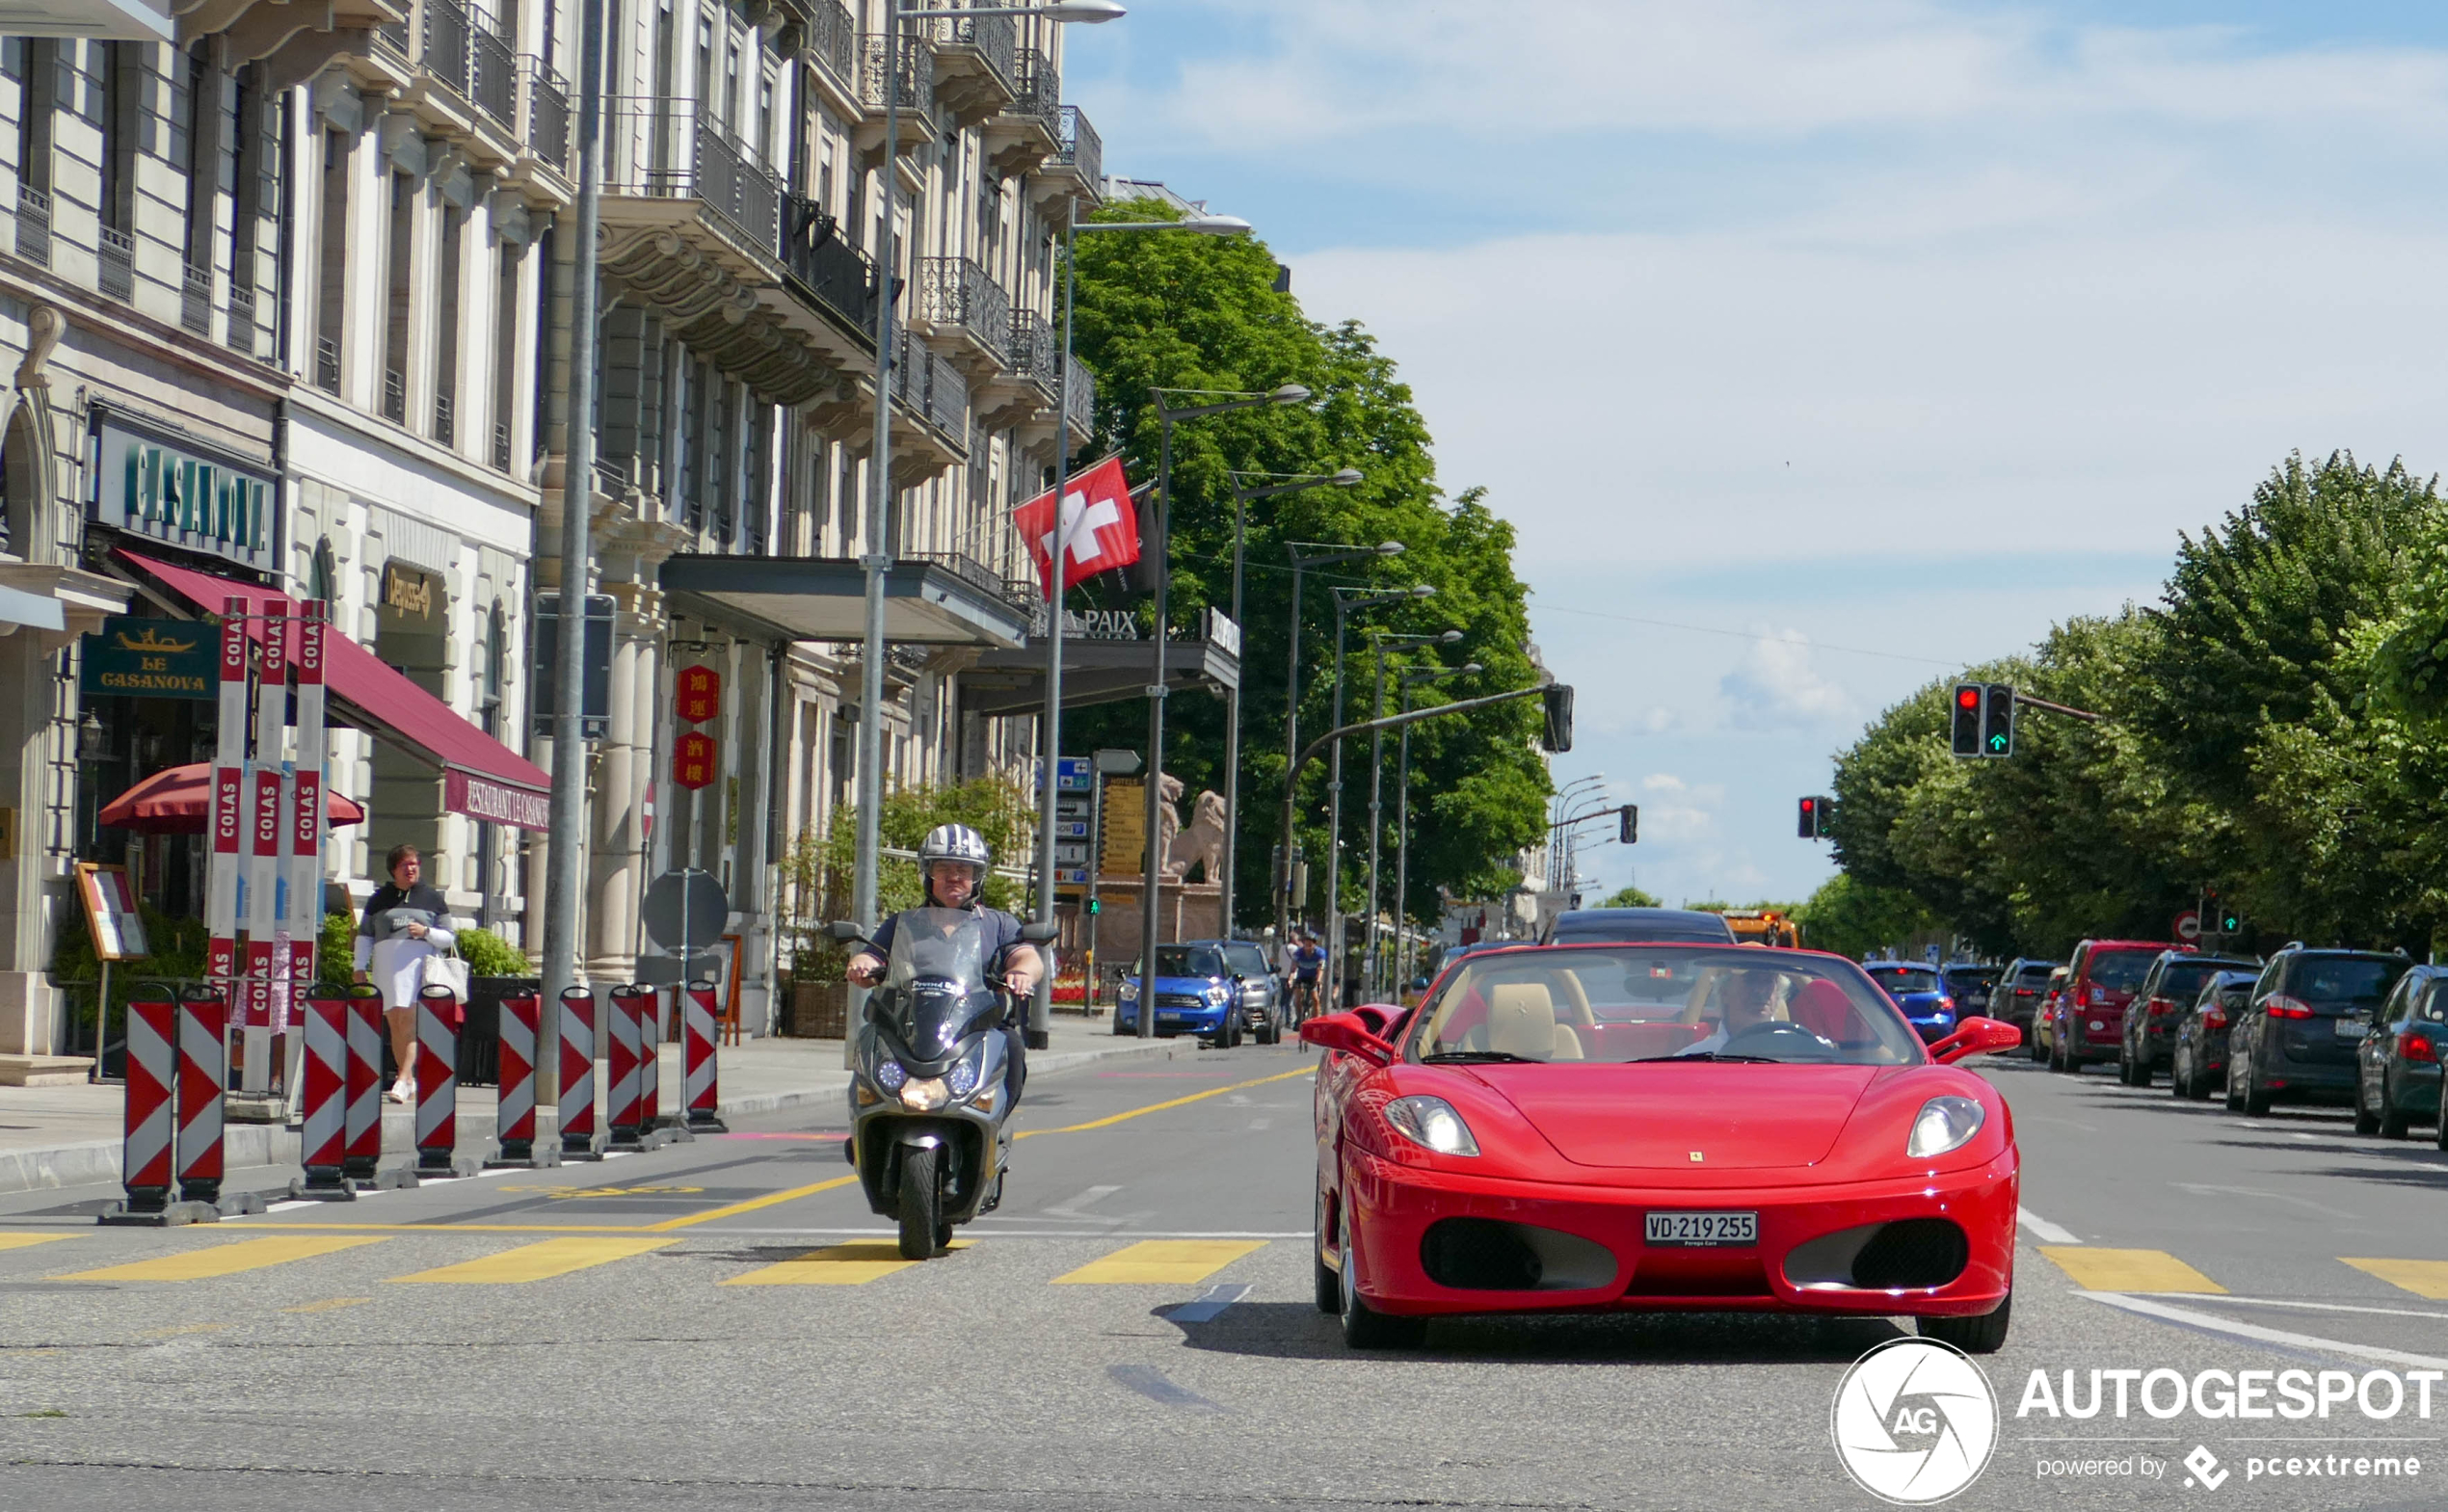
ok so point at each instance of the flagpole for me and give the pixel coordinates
(1041, 1008)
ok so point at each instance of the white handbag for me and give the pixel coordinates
(446, 968)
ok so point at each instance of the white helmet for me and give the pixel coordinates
(955, 843)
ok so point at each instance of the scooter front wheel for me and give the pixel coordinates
(922, 1227)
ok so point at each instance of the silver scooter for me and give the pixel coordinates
(929, 1087)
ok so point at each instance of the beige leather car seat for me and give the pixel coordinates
(1521, 1020)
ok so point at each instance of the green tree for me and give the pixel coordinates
(1852, 918)
(1628, 896)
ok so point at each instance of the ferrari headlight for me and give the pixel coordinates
(890, 1074)
(925, 1097)
(1944, 1124)
(1431, 1124)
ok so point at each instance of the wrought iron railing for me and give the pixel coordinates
(676, 149)
(931, 388)
(445, 417)
(445, 50)
(994, 38)
(967, 569)
(915, 90)
(1036, 88)
(395, 396)
(823, 262)
(34, 225)
(833, 40)
(495, 74)
(391, 36)
(241, 335)
(959, 293)
(1081, 408)
(117, 256)
(195, 302)
(1081, 150)
(327, 364)
(1036, 350)
(547, 111)
(501, 448)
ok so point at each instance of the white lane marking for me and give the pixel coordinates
(2204, 1189)
(1209, 1306)
(2308, 1138)
(2041, 1229)
(1257, 1124)
(1071, 1209)
(2328, 1307)
(2152, 1308)
(293, 1205)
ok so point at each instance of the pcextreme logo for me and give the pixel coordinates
(1915, 1422)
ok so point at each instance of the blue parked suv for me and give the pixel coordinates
(1920, 992)
(1196, 992)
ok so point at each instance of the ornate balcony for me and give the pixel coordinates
(547, 111)
(914, 92)
(1028, 129)
(967, 313)
(1075, 170)
(828, 38)
(452, 69)
(977, 65)
(1022, 392)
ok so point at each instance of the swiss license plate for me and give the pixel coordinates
(2352, 1028)
(1702, 1231)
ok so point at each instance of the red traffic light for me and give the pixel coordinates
(1967, 698)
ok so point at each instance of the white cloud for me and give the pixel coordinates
(1674, 812)
(1776, 688)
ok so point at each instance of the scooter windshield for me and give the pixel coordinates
(938, 972)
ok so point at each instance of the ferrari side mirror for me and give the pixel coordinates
(1976, 1036)
(1348, 1033)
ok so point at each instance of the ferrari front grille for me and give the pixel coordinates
(1912, 1251)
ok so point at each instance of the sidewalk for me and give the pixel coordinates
(71, 1136)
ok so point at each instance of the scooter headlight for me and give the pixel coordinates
(968, 1071)
(925, 1097)
(890, 1074)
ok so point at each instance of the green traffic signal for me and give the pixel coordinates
(1096, 905)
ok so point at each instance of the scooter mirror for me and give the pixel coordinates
(844, 933)
(1040, 933)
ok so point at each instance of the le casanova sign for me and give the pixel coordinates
(151, 659)
(149, 485)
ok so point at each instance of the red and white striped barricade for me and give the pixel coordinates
(203, 1080)
(622, 1109)
(361, 1138)
(438, 1016)
(145, 1162)
(577, 1100)
(323, 1140)
(700, 1080)
(515, 1118)
(652, 1127)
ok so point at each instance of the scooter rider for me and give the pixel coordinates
(953, 863)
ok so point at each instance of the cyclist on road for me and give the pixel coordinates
(1308, 958)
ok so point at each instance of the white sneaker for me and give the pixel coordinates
(402, 1090)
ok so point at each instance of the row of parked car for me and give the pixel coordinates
(2305, 1024)
(1218, 991)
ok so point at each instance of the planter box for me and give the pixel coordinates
(480, 1037)
(820, 1011)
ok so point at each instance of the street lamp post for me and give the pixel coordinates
(1041, 1007)
(1346, 599)
(1412, 678)
(1220, 402)
(1302, 560)
(1373, 979)
(1242, 498)
(876, 560)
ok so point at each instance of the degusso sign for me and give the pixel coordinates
(150, 485)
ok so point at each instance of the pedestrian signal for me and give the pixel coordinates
(1096, 906)
(1968, 697)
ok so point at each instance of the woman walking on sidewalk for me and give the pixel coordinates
(406, 924)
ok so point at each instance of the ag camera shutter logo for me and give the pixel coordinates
(1914, 1422)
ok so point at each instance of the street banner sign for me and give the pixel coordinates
(699, 694)
(693, 760)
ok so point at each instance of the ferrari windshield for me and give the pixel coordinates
(1662, 1002)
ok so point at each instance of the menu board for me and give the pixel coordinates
(109, 912)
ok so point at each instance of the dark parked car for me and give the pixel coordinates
(2309, 1012)
(1970, 986)
(2174, 980)
(2197, 1056)
(2016, 996)
(2090, 1020)
(2398, 1084)
(2044, 1016)
(1594, 926)
(1920, 992)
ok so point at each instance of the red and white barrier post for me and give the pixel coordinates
(578, 1075)
(203, 1080)
(362, 1137)
(324, 1141)
(145, 1166)
(515, 1118)
(700, 1081)
(438, 1016)
(621, 1110)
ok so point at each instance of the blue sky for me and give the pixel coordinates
(1816, 346)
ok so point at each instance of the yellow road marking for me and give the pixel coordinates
(326, 1304)
(19, 1241)
(224, 1259)
(851, 1264)
(1160, 1262)
(770, 1199)
(2128, 1270)
(183, 1328)
(2422, 1277)
(1158, 1107)
(541, 1260)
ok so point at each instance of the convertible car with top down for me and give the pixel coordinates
(1666, 1126)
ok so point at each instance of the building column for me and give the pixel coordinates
(624, 774)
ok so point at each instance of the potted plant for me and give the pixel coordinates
(496, 970)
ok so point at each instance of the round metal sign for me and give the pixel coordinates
(685, 907)
(2188, 926)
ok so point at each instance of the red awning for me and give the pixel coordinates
(177, 802)
(482, 778)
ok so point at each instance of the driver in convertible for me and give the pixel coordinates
(952, 862)
(1746, 999)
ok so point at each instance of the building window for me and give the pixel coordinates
(323, 579)
(505, 351)
(446, 328)
(398, 275)
(332, 276)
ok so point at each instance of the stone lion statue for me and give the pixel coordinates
(1202, 843)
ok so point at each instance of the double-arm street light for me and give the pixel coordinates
(1243, 495)
(1217, 402)
(1305, 554)
(1347, 600)
(1412, 678)
(1373, 977)
(1041, 1008)
(877, 559)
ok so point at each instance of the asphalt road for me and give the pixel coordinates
(719, 1324)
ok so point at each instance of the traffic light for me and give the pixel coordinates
(1557, 701)
(1628, 830)
(1815, 815)
(1967, 719)
(2230, 922)
(1996, 720)
(1096, 906)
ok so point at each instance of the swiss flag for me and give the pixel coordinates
(1098, 532)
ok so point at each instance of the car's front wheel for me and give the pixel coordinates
(1363, 1326)
(1984, 1335)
